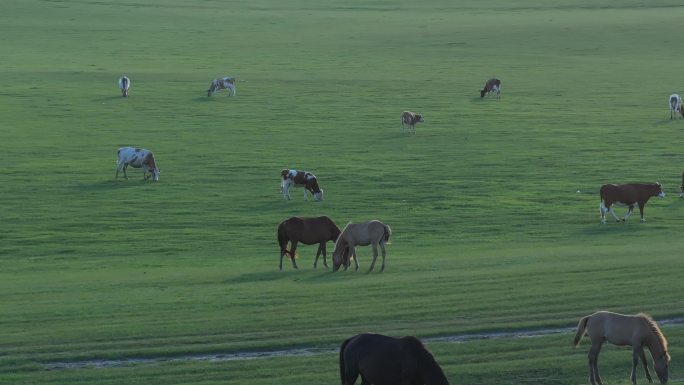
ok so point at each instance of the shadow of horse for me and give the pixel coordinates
(383, 360)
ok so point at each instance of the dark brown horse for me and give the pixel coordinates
(383, 360)
(308, 231)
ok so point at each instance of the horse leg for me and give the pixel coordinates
(596, 349)
(375, 256)
(318, 253)
(325, 258)
(382, 249)
(283, 250)
(643, 359)
(292, 254)
(635, 362)
(593, 363)
(356, 260)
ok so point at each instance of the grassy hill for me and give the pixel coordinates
(493, 203)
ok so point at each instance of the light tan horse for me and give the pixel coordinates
(636, 331)
(360, 234)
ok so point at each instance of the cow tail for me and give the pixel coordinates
(342, 365)
(581, 328)
(386, 235)
(282, 238)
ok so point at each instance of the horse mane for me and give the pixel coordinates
(655, 329)
(339, 238)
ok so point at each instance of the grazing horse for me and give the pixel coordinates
(637, 331)
(409, 119)
(297, 178)
(675, 103)
(628, 195)
(124, 85)
(492, 85)
(219, 84)
(383, 360)
(360, 234)
(308, 231)
(136, 158)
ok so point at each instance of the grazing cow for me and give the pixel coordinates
(628, 195)
(410, 119)
(492, 85)
(219, 84)
(300, 179)
(675, 106)
(137, 158)
(124, 85)
(681, 188)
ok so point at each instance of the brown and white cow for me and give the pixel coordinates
(675, 102)
(299, 178)
(124, 85)
(137, 158)
(410, 119)
(219, 84)
(492, 85)
(627, 195)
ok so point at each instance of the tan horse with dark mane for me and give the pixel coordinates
(373, 233)
(637, 331)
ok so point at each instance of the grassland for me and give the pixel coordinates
(493, 204)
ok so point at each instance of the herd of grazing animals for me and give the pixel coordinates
(383, 360)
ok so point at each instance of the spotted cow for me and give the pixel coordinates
(492, 85)
(675, 102)
(409, 120)
(137, 158)
(299, 178)
(219, 84)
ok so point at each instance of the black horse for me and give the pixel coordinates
(308, 231)
(383, 360)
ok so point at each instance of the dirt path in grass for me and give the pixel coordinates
(220, 357)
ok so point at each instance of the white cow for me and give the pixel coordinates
(137, 158)
(219, 84)
(124, 85)
(675, 103)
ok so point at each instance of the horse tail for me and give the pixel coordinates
(581, 328)
(387, 233)
(342, 366)
(282, 237)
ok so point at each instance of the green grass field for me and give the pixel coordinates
(493, 204)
